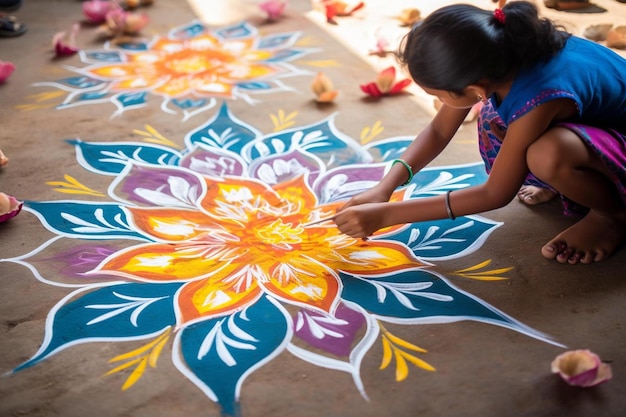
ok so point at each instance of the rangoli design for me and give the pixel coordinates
(189, 69)
(208, 249)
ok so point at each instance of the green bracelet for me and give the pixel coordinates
(407, 166)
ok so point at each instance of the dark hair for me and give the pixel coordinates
(460, 44)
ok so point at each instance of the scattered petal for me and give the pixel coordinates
(120, 22)
(6, 69)
(409, 17)
(65, 43)
(323, 88)
(616, 38)
(385, 84)
(9, 207)
(3, 159)
(95, 11)
(581, 368)
(273, 8)
(332, 9)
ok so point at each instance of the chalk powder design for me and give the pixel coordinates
(189, 69)
(206, 249)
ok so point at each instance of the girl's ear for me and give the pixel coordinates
(477, 91)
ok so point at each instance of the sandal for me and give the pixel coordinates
(10, 27)
(10, 6)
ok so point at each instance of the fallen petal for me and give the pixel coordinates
(323, 88)
(273, 8)
(399, 86)
(95, 10)
(386, 79)
(9, 207)
(65, 44)
(581, 368)
(410, 16)
(6, 69)
(371, 89)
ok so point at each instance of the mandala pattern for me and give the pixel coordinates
(209, 249)
(188, 69)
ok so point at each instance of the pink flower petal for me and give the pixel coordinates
(399, 86)
(273, 8)
(581, 368)
(6, 69)
(371, 89)
(9, 207)
(95, 10)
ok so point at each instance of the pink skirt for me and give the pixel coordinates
(608, 144)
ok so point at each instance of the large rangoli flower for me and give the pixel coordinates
(188, 69)
(213, 246)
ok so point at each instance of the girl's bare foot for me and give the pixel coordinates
(533, 195)
(3, 159)
(592, 239)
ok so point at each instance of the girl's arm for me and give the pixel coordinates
(424, 148)
(506, 177)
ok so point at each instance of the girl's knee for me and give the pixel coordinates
(552, 153)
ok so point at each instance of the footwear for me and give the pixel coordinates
(572, 4)
(10, 27)
(10, 5)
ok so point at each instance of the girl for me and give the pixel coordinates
(553, 123)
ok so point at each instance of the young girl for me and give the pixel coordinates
(553, 123)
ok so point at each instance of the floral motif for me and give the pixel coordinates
(188, 69)
(212, 245)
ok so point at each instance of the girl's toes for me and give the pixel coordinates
(575, 258)
(549, 251)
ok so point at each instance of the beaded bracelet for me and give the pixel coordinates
(448, 208)
(407, 166)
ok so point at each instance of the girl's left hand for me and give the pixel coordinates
(362, 220)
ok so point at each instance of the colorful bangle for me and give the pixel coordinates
(408, 168)
(448, 208)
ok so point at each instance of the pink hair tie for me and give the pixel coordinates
(499, 15)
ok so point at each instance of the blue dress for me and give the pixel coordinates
(592, 76)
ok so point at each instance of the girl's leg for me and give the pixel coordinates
(491, 131)
(564, 160)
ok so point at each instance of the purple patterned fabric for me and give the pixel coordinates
(608, 144)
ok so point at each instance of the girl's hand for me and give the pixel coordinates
(360, 221)
(373, 195)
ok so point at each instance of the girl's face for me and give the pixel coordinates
(454, 100)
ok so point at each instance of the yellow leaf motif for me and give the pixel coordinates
(369, 133)
(73, 186)
(39, 99)
(151, 135)
(282, 121)
(491, 275)
(143, 356)
(391, 347)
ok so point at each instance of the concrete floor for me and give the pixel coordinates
(481, 369)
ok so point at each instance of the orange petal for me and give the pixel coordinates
(305, 283)
(164, 262)
(371, 258)
(212, 298)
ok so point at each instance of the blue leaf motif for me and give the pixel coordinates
(223, 131)
(388, 149)
(446, 239)
(84, 220)
(437, 180)
(218, 354)
(116, 312)
(112, 158)
(321, 139)
(425, 297)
